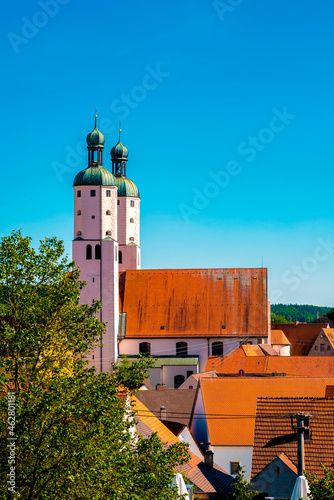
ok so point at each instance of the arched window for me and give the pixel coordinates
(88, 252)
(108, 212)
(132, 238)
(79, 212)
(181, 349)
(120, 257)
(178, 380)
(217, 348)
(145, 348)
(79, 233)
(108, 233)
(97, 252)
(132, 220)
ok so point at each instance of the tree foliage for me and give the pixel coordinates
(72, 438)
(322, 488)
(295, 312)
(241, 488)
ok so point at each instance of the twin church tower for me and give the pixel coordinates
(106, 235)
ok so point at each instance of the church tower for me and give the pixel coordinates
(95, 246)
(128, 210)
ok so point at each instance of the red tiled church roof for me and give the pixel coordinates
(194, 302)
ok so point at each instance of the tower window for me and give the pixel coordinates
(88, 252)
(181, 349)
(120, 257)
(79, 194)
(108, 193)
(132, 238)
(79, 233)
(79, 212)
(93, 216)
(108, 212)
(145, 348)
(93, 192)
(132, 220)
(108, 233)
(97, 252)
(118, 202)
(132, 203)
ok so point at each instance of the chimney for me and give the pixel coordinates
(208, 457)
(163, 413)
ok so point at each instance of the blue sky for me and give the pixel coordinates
(226, 110)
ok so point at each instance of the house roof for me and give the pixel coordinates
(205, 479)
(278, 337)
(230, 403)
(194, 302)
(251, 350)
(177, 402)
(274, 435)
(301, 336)
(301, 366)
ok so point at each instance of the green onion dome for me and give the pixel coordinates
(119, 152)
(95, 176)
(95, 138)
(126, 187)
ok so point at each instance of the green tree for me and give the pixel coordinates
(241, 488)
(132, 375)
(322, 488)
(279, 318)
(72, 438)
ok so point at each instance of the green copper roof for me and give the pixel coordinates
(95, 138)
(94, 176)
(119, 151)
(166, 360)
(126, 187)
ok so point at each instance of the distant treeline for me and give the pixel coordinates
(294, 312)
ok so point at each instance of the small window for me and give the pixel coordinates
(132, 238)
(79, 212)
(88, 252)
(93, 280)
(189, 373)
(97, 252)
(93, 192)
(132, 203)
(93, 216)
(181, 349)
(145, 348)
(79, 233)
(108, 233)
(322, 347)
(120, 257)
(259, 341)
(118, 202)
(108, 212)
(178, 380)
(315, 347)
(79, 194)
(328, 348)
(234, 467)
(108, 193)
(217, 348)
(132, 220)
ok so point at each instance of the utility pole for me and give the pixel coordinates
(303, 431)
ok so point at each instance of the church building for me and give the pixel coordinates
(180, 316)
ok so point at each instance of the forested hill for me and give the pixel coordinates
(303, 313)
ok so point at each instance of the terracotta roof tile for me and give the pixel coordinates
(278, 337)
(206, 480)
(301, 366)
(194, 302)
(301, 336)
(230, 403)
(274, 435)
(252, 350)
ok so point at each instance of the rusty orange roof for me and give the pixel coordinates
(274, 436)
(278, 337)
(194, 302)
(252, 350)
(301, 366)
(230, 403)
(301, 336)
